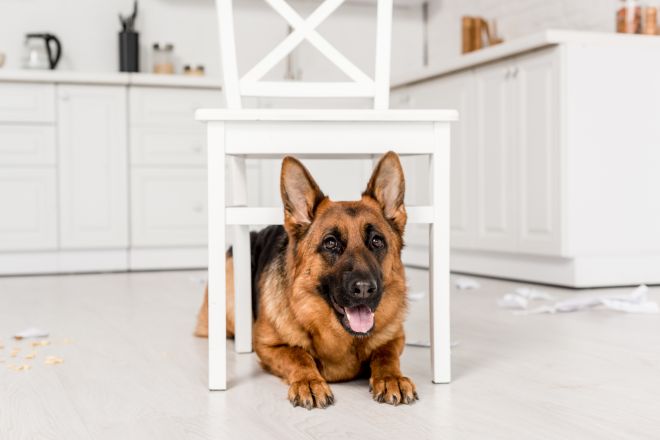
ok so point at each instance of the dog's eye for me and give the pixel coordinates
(330, 243)
(377, 242)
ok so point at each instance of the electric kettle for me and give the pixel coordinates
(39, 53)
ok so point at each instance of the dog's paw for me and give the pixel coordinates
(311, 394)
(393, 390)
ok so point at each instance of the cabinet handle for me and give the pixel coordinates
(507, 73)
(198, 208)
(197, 148)
(64, 97)
(515, 72)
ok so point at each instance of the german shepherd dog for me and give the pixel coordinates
(329, 288)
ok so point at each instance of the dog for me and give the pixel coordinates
(329, 288)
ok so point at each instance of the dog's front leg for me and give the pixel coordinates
(307, 388)
(387, 384)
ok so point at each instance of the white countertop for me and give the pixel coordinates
(517, 46)
(119, 78)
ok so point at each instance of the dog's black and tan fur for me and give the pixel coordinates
(329, 287)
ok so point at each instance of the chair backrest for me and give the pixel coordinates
(251, 84)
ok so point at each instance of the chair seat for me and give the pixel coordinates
(317, 115)
(274, 215)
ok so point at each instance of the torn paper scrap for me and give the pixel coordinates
(31, 332)
(200, 281)
(466, 283)
(513, 301)
(23, 367)
(40, 343)
(532, 294)
(623, 306)
(519, 299)
(53, 360)
(634, 302)
(427, 344)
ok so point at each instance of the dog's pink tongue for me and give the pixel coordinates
(360, 318)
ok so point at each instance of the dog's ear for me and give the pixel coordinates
(300, 196)
(388, 186)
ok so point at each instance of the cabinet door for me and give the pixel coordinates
(457, 92)
(536, 78)
(29, 216)
(168, 207)
(495, 155)
(93, 166)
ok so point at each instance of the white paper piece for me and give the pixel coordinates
(532, 294)
(634, 302)
(416, 296)
(31, 332)
(466, 283)
(513, 301)
(519, 299)
(201, 281)
(427, 344)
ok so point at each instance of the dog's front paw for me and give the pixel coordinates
(311, 394)
(393, 390)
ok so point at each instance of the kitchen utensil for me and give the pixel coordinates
(39, 53)
(129, 43)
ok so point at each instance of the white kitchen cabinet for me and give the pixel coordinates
(455, 92)
(169, 144)
(495, 154)
(535, 79)
(505, 153)
(29, 213)
(103, 172)
(163, 105)
(168, 207)
(21, 102)
(93, 179)
(27, 144)
(565, 162)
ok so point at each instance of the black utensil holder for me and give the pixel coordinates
(129, 51)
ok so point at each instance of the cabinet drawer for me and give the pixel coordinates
(27, 145)
(168, 145)
(168, 207)
(29, 217)
(164, 105)
(27, 102)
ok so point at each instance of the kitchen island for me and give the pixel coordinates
(555, 162)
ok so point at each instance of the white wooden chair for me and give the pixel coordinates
(235, 134)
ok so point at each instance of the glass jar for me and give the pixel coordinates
(163, 57)
(650, 19)
(628, 17)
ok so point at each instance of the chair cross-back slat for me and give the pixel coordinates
(251, 83)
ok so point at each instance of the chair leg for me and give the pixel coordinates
(439, 282)
(242, 260)
(216, 246)
(242, 290)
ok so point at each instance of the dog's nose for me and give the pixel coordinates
(363, 288)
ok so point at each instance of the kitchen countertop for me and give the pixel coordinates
(517, 46)
(119, 78)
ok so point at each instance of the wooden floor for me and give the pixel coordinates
(132, 370)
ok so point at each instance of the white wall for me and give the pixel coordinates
(88, 31)
(515, 18)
